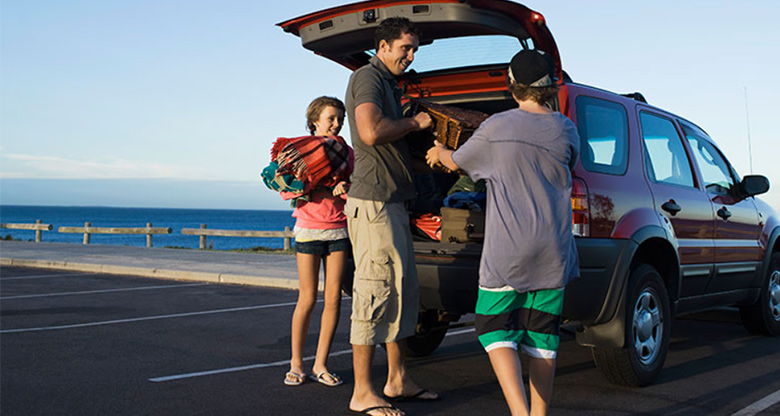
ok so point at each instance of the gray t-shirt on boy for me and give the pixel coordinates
(526, 160)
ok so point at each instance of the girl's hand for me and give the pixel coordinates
(341, 188)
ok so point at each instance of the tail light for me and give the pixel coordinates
(580, 211)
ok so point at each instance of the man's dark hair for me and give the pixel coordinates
(393, 28)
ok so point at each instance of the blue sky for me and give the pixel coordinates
(188, 95)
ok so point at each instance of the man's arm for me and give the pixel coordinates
(375, 129)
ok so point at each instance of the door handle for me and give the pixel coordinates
(724, 213)
(671, 207)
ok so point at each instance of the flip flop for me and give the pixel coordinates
(321, 378)
(367, 410)
(416, 397)
(298, 379)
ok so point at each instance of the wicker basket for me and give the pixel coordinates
(452, 126)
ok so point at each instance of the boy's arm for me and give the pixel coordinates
(440, 154)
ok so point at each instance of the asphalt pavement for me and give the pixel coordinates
(258, 269)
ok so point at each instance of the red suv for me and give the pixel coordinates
(664, 225)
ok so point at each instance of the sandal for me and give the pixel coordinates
(294, 379)
(327, 378)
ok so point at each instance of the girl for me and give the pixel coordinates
(320, 238)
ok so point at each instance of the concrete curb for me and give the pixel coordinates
(227, 278)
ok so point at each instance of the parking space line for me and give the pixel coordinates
(265, 365)
(146, 318)
(89, 292)
(236, 369)
(42, 276)
(760, 405)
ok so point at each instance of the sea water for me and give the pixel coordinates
(176, 219)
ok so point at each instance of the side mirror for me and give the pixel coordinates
(754, 185)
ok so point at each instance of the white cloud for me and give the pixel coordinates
(17, 165)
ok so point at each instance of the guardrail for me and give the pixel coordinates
(203, 231)
(149, 230)
(38, 227)
(87, 229)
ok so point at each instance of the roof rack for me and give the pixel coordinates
(636, 96)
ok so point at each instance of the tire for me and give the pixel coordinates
(763, 317)
(428, 335)
(648, 327)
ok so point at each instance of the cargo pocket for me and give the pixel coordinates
(372, 291)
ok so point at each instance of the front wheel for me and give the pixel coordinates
(763, 317)
(648, 327)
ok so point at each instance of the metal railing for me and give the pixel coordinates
(149, 231)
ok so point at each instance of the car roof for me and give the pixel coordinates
(345, 33)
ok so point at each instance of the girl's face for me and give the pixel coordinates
(330, 122)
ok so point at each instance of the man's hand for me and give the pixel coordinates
(423, 120)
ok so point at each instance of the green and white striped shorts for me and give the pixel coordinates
(507, 318)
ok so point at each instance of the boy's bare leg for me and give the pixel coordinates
(541, 373)
(506, 365)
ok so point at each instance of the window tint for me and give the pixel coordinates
(714, 169)
(603, 127)
(665, 155)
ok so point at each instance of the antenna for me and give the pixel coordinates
(747, 118)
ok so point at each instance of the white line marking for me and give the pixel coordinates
(236, 369)
(462, 331)
(88, 292)
(147, 318)
(41, 276)
(760, 405)
(264, 365)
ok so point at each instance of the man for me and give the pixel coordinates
(525, 156)
(385, 296)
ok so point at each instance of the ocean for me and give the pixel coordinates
(174, 218)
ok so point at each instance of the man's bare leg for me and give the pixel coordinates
(363, 394)
(399, 383)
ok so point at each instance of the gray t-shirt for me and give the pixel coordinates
(526, 160)
(382, 172)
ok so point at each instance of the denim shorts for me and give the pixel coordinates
(322, 247)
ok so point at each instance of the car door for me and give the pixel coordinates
(679, 198)
(737, 229)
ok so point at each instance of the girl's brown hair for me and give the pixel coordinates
(316, 107)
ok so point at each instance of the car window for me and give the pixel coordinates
(667, 161)
(472, 51)
(715, 171)
(603, 128)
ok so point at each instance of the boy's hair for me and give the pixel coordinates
(393, 28)
(316, 107)
(541, 95)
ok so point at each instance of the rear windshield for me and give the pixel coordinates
(467, 51)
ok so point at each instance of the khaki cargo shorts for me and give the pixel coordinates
(385, 294)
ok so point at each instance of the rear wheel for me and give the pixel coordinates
(763, 317)
(428, 335)
(648, 320)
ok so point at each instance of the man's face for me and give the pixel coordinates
(399, 53)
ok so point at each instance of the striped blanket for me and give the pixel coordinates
(313, 160)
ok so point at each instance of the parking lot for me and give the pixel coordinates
(76, 343)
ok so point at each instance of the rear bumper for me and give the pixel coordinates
(448, 282)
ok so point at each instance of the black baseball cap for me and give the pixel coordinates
(533, 68)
